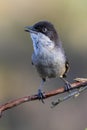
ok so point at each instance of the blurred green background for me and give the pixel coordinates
(19, 78)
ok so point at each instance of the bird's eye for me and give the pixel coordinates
(44, 30)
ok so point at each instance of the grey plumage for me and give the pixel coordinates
(48, 56)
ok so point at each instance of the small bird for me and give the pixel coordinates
(48, 56)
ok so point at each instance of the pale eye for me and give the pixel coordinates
(44, 30)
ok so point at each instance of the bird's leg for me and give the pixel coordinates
(40, 93)
(67, 84)
(68, 87)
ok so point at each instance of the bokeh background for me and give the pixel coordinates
(19, 78)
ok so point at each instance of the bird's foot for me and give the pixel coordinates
(41, 95)
(67, 86)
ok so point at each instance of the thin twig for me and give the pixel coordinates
(80, 82)
(71, 94)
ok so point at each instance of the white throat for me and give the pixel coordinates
(41, 41)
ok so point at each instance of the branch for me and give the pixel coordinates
(74, 94)
(79, 82)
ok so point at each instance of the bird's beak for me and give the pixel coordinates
(30, 29)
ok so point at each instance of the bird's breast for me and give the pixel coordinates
(49, 63)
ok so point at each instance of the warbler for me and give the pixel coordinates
(48, 56)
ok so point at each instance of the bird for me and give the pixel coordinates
(48, 55)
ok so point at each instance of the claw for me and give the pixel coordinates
(41, 95)
(67, 86)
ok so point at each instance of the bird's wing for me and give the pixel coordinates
(67, 68)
